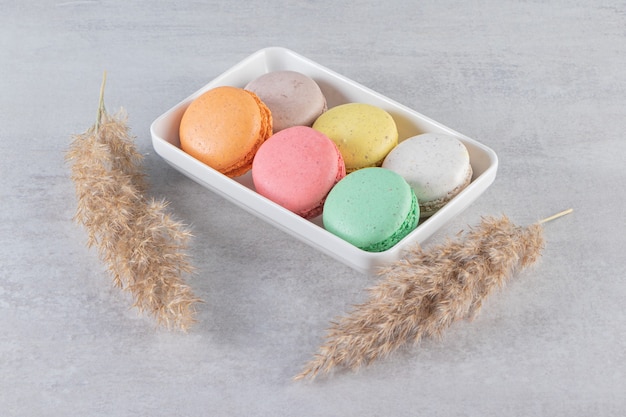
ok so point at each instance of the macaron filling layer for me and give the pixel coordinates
(428, 208)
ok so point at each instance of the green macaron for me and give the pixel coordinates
(372, 208)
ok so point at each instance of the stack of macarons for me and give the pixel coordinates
(346, 163)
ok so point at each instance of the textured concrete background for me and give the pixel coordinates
(542, 83)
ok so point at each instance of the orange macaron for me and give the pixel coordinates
(224, 127)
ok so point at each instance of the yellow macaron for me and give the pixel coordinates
(364, 133)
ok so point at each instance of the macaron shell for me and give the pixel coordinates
(428, 208)
(410, 222)
(224, 127)
(296, 168)
(364, 134)
(436, 166)
(293, 98)
(372, 208)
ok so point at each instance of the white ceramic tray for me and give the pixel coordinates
(337, 89)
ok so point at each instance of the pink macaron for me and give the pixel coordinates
(296, 168)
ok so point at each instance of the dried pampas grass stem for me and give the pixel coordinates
(142, 245)
(423, 294)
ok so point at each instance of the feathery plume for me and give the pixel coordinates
(142, 245)
(424, 293)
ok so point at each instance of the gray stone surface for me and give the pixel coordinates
(542, 83)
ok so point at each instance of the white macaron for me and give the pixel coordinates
(437, 167)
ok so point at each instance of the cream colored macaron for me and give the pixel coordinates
(436, 166)
(294, 98)
(363, 133)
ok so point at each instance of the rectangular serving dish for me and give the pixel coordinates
(338, 90)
